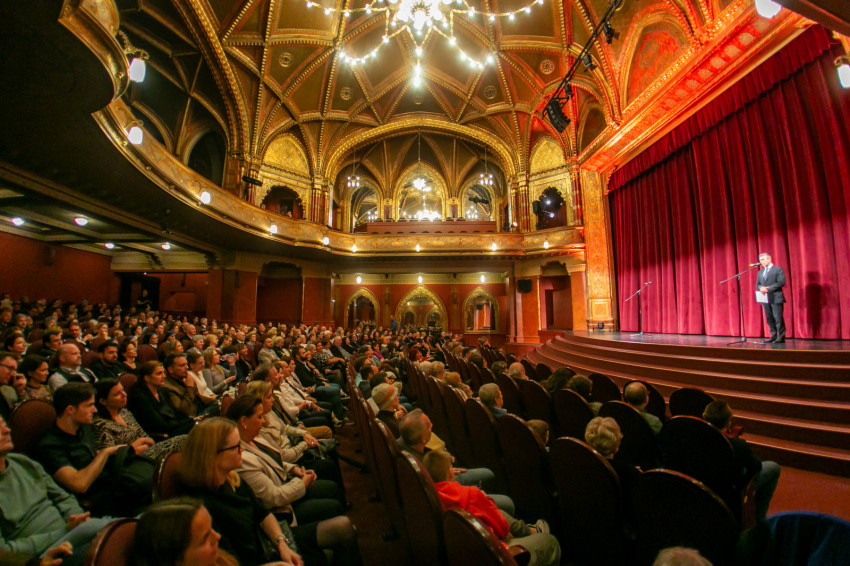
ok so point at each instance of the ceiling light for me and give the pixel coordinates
(205, 197)
(546, 245)
(359, 280)
(137, 70)
(18, 221)
(273, 228)
(81, 221)
(767, 8)
(326, 241)
(842, 65)
(419, 279)
(109, 245)
(166, 246)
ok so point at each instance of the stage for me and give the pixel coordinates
(792, 399)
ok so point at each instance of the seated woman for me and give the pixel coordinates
(36, 372)
(453, 380)
(115, 424)
(296, 401)
(152, 407)
(558, 380)
(127, 353)
(207, 470)
(177, 532)
(389, 411)
(218, 379)
(196, 368)
(604, 435)
(15, 344)
(584, 387)
(279, 434)
(284, 488)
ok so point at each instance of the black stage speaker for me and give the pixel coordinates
(524, 285)
(556, 115)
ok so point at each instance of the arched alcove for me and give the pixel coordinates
(480, 312)
(422, 302)
(284, 200)
(356, 301)
(207, 157)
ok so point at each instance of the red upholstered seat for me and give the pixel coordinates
(639, 446)
(572, 412)
(165, 480)
(604, 388)
(459, 434)
(527, 466)
(511, 396)
(423, 513)
(689, 401)
(29, 421)
(486, 450)
(536, 400)
(469, 542)
(112, 544)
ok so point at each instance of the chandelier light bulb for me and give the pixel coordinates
(511, 17)
(481, 279)
(546, 245)
(109, 246)
(354, 248)
(767, 8)
(205, 197)
(137, 69)
(417, 247)
(493, 246)
(18, 221)
(81, 221)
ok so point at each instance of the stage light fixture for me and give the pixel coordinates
(610, 33)
(555, 113)
(588, 63)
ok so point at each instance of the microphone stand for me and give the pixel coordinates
(640, 313)
(737, 277)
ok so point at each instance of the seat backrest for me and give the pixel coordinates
(638, 446)
(536, 400)
(664, 506)
(461, 446)
(604, 388)
(697, 449)
(128, 380)
(689, 401)
(486, 450)
(386, 452)
(112, 544)
(541, 372)
(147, 353)
(590, 504)
(226, 402)
(655, 402)
(29, 421)
(423, 512)
(166, 484)
(437, 414)
(468, 542)
(511, 396)
(89, 358)
(474, 373)
(527, 466)
(797, 538)
(487, 376)
(572, 413)
(528, 367)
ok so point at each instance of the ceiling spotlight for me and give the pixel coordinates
(109, 246)
(610, 33)
(135, 135)
(166, 246)
(767, 8)
(273, 228)
(205, 197)
(18, 221)
(842, 65)
(359, 280)
(137, 69)
(481, 279)
(493, 246)
(81, 221)
(326, 241)
(546, 245)
(419, 279)
(588, 63)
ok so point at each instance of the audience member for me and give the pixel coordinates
(637, 396)
(12, 385)
(107, 363)
(35, 371)
(151, 405)
(217, 377)
(15, 344)
(680, 556)
(491, 397)
(584, 387)
(127, 353)
(389, 412)
(603, 435)
(69, 368)
(558, 380)
(516, 371)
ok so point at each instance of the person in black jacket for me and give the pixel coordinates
(152, 407)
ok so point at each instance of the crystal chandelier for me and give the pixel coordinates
(353, 180)
(419, 183)
(485, 178)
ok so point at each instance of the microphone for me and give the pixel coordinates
(648, 283)
(754, 264)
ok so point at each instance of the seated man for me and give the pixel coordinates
(415, 436)
(69, 368)
(491, 397)
(542, 546)
(37, 513)
(315, 384)
(113, 479)
(12, 385)
(584, 387)
(719, 415)
(516, 371)
(637, 396)
(107, 365)
(181, 390)
(50, 342)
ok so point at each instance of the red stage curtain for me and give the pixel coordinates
(773, 176)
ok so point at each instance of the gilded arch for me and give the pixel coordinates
(472, 297)
(411, 173)
(421, 292)
(362, 292)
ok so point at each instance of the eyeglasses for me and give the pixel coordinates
(237, 447)
(10, 368)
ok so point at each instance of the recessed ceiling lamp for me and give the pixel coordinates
(767, 8)
(109, 246)
(18, 221)
(166, 246)
(205, 197)
(81, 220)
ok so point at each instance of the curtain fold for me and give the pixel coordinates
(772, 176)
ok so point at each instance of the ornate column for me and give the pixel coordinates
(319, 197)
(237, 165)
(597, 237)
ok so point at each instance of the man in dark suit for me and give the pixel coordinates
(770, 280)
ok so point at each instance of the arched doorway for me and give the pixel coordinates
(480, 312)
(361, 306)
(550, 209)
(285, 201)
(421, 307)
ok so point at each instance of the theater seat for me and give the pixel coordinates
(423, 512)
(572, 413)
(689, 401)
(165, 483)
(112, 544)
(29, 421)
(469, 542)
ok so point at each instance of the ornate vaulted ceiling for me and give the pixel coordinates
(256, 69)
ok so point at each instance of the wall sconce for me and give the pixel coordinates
(137, 68)
(205, 197)
(273, 228)
(135, 133)
(842, 66)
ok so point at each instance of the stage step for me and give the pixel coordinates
(795, 402)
